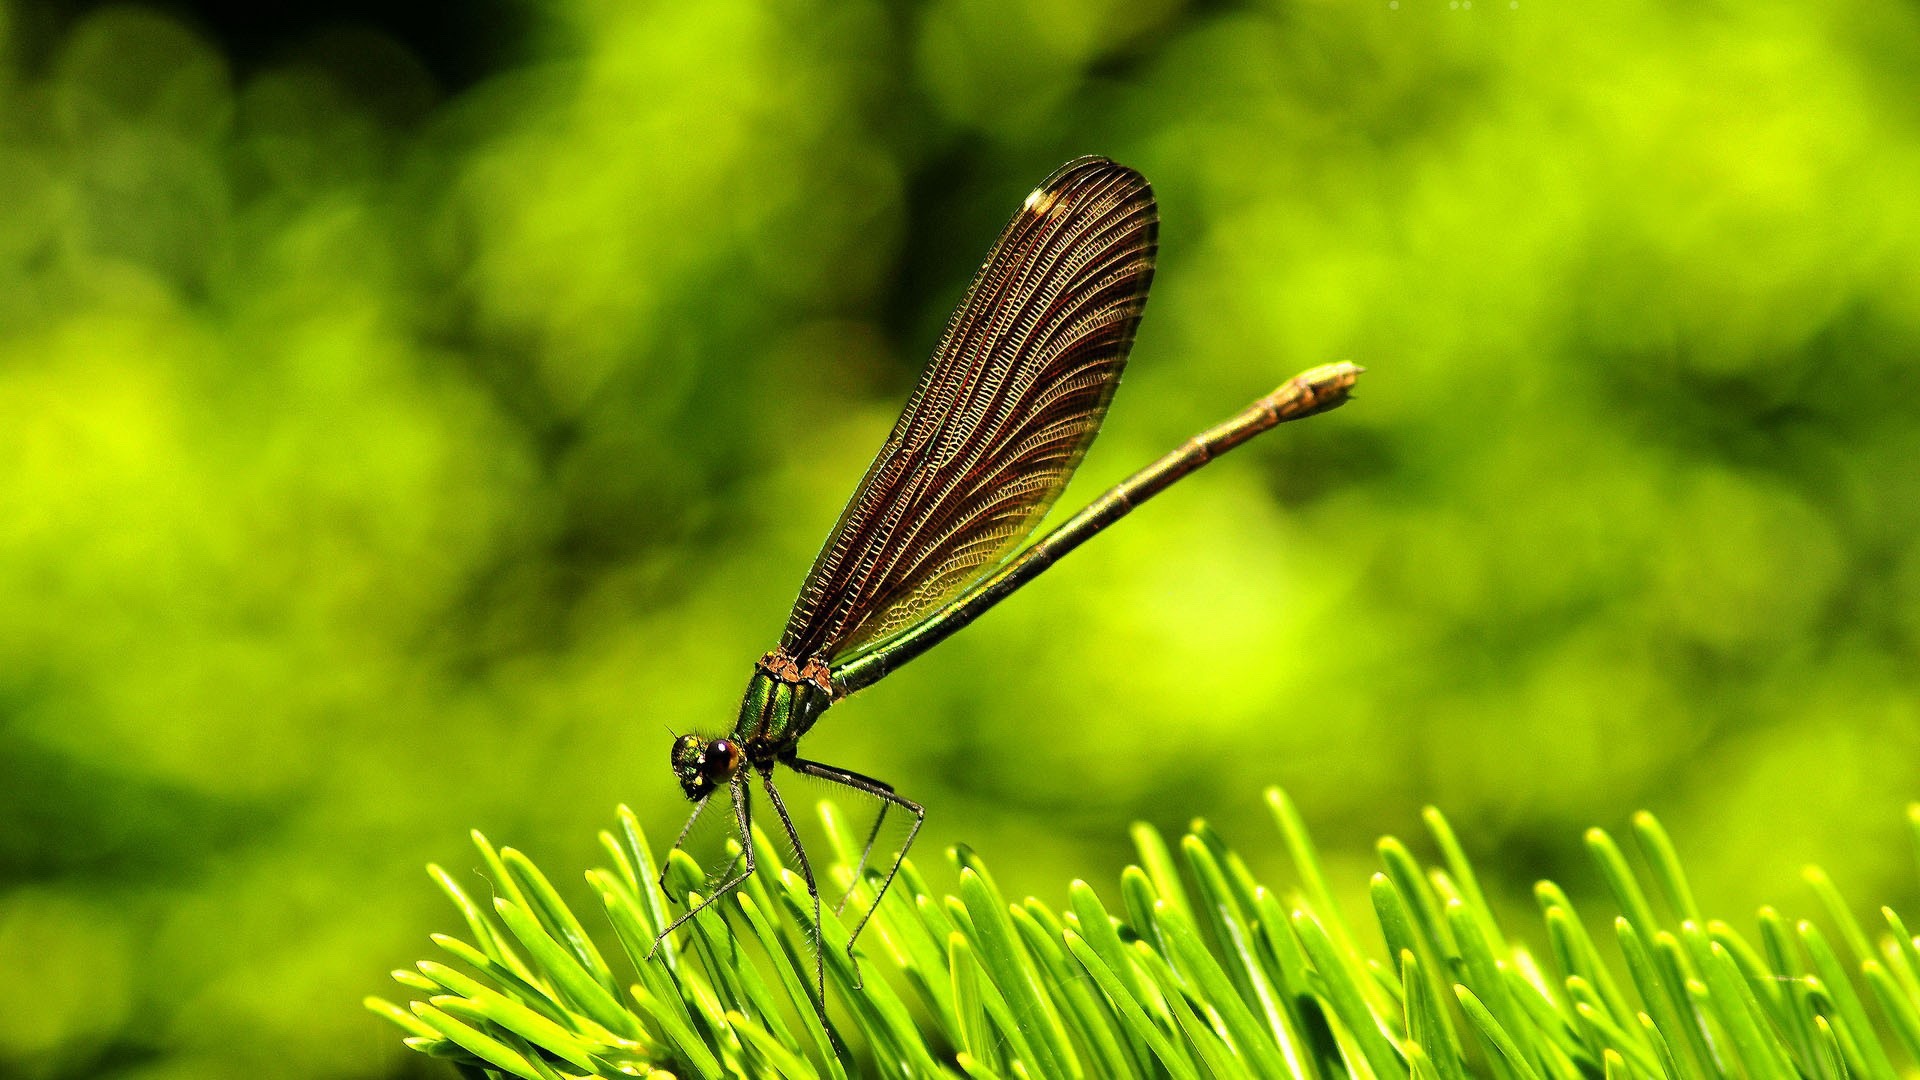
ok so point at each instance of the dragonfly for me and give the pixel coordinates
(933, 536)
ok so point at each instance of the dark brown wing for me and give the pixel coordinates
(1006, 410)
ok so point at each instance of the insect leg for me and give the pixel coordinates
(678, 841)
(813, 890)
(884, 792)
(743, 816)
(873, 835)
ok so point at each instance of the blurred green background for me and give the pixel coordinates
(403, 424)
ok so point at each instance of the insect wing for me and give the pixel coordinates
(1009, 404)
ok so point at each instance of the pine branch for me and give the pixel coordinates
(1203, 971)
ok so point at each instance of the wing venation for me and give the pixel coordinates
(1016, 390)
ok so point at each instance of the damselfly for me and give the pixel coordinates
(931, 538)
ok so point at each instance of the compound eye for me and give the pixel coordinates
(723, 759)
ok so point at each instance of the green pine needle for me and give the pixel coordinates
(1209, 973)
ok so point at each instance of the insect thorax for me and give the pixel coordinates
(783, 700)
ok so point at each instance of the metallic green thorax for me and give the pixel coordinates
(783, 700)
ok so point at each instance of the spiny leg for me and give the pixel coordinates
(813, 890)
(685, 830)
(884, 792)
(866, 850)
(743, 816)
(681, 840)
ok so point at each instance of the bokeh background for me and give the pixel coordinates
(406, 417)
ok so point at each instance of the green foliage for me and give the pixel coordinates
(382, 456)
(1202, 971)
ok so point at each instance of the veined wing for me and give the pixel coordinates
(1007, 408)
